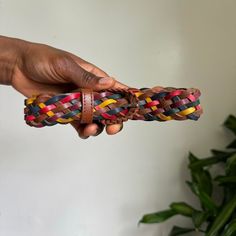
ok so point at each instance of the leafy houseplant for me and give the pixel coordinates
(216, 217)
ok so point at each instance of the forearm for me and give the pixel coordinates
(10, 50)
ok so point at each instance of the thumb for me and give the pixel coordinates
(85, 79)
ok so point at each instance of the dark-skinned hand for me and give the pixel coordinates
(33, 68)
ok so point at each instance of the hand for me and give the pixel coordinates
(43, 69)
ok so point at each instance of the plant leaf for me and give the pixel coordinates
(230, 123)
(211, 160)
(232, 145)
(176, 230)
(199, 217)
(229, 193)
(203, 179)
(192, 158)
(205, 199)
(226, 179)
(157, 217)
(182, 208)
(201, 176)
(190, 185)
(222, 217)
(216, 152)
(230, 168)
(230, 229)
(206, 162)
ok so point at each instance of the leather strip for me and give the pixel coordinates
(87, 106)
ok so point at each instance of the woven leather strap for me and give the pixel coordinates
(113, 106)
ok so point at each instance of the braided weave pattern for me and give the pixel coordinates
(115, 106)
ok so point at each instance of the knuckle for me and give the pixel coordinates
(62, 65)
(87, 77)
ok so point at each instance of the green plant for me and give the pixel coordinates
(215, 217)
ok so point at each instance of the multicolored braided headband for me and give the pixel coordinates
(113, 106)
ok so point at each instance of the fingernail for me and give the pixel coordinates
(83, 137)
(106, 81)
(122, 126)
(97, 132)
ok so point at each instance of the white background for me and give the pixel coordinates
(54, 184)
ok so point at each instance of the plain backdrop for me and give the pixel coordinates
(54, 184)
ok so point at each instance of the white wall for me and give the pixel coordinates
(54, 184)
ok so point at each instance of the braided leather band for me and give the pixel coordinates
(113, 106)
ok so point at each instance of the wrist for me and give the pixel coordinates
(11, 51)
